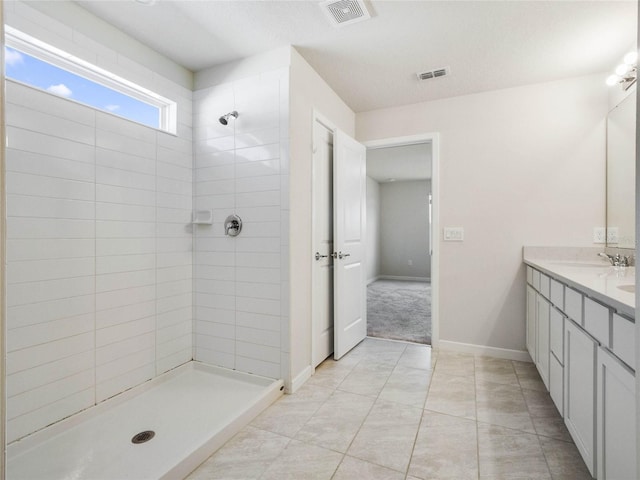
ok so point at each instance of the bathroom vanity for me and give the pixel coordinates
(580, 335)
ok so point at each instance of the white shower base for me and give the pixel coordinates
(193, 410)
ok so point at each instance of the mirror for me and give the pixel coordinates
(621, 172)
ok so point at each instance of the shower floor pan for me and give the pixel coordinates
(193, 410)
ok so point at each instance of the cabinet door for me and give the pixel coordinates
(556, 334)
(556, 383)
(616, 419)
(542, 338)
(579, 390)
(531, 322)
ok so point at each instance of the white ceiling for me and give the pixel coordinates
(408, 162)
(488, 44)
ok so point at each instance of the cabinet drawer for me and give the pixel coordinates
(556, 294)
(529, 275)
(556, 334)
(536, 280)
(597, 321)
(556, 383)
(544, 285)
(623, 342)
(573, 305)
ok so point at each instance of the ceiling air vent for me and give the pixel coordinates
(345, 12)
(431, 74)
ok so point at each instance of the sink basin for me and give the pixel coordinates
(582, 264)
(627, 288)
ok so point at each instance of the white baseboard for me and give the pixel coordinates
(505, 353)
(371, 280)
(302, 377)
(406, 279)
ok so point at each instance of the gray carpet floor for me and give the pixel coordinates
(399, 310)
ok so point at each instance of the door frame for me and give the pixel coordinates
(434, 139)
(329, 125)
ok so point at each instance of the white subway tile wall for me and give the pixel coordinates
(99, 256)
(241, 318)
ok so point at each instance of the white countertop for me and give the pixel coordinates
(595, 279)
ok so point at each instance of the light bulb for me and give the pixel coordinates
(631, 58)
(623, 69)
(613, 79)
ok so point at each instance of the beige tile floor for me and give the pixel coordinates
(391, 410)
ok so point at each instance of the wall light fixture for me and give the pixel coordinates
(626, 73)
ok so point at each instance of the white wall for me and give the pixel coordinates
(373, 230)
(308, 92)
(240, 285)
(520, 166)
(404, 229)
(98, 254)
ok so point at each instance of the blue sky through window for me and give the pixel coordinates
(40, 74)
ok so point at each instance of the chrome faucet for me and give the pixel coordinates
(617, 260)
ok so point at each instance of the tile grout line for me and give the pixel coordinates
(534, 427)
(424, 405)
(367, 415)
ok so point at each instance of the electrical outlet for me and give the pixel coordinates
(612, 235)
(599, 235)
(453, 234)
(410, 263)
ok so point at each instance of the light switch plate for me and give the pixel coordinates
(599, 235)
(453, 234)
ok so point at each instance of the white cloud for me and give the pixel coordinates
(12, 57)
(60, 89)
(112, 108)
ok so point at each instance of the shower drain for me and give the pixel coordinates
(143, 437)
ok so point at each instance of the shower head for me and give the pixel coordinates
(224, 119)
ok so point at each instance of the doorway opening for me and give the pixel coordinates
(400, 226)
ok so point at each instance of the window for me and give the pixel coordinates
(42, 66)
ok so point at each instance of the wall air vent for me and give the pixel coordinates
(436, 73)
(345, 12)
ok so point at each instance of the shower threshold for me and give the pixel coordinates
(192, 411)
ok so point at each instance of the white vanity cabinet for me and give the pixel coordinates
(584, 348)
(580, 352)
(616, 419)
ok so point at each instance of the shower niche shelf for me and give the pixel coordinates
(202, 217)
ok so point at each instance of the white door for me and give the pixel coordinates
(322, 267)
(349, 220)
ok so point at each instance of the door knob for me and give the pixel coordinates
(318, 256)
(343, 255)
